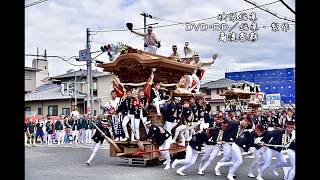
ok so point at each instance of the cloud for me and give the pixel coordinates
(60, 27)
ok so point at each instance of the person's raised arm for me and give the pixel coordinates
(137, 33)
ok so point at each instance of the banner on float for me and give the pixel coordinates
(273, 100)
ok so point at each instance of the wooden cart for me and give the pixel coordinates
(135, 66)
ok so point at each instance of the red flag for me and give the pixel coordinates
(118, 89)
(147, 90)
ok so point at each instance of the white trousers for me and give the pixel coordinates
(211, 152)
(169, 125)
(281, 160)
(157, 103)
(196, 79)
(226, 152)
(183, 131)
(81, 135)
(94, 148)
(236, 160)
(135, 132)
(267, 157)
(292, 171)
(258, 159)
(88, 135)
(60, 135)
(144, 120)
(151, 49)
(191, 129)
(49, 139)
(25, 139)
(45, 135)
(191, 158)
(166, 153)
(125, 121)
(75, 135)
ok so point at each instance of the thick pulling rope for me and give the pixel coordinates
(273, 145)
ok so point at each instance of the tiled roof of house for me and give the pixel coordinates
(49, 92)
(79, 73)
(31, 69)
(220, 83)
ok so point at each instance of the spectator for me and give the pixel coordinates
(39, 132)
(59, 131)
(31, 132)
(25, 133)
(49, 130)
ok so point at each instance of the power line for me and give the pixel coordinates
(268, 11)
(66, 60)
(288, 6)
(34, 3)
(180, 23)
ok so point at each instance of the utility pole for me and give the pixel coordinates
(144, 21)
(88, 110)
(75, 90)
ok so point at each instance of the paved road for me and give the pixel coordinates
(67, 162)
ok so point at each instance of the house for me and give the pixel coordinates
(213, 89)
(34, 76)
(60, 95)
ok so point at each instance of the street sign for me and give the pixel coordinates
(273, 100)
(84, 55)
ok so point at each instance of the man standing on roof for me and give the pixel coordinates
(175, 55)
(196, 76)
(151, 43)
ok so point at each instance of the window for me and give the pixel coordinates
(39, 111)
(66, 111)
(53, 110)
(45, 67)
(64, 88)
(218, 108)
(95, 93)
(94, 112)
(208, 91)
(94, 85)
(217, 91)
(70, 88)
(27, 111)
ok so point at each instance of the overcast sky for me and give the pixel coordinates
(59, 26)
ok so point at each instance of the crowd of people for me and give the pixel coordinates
(191, 121)
(65, 129)
(266, 132)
